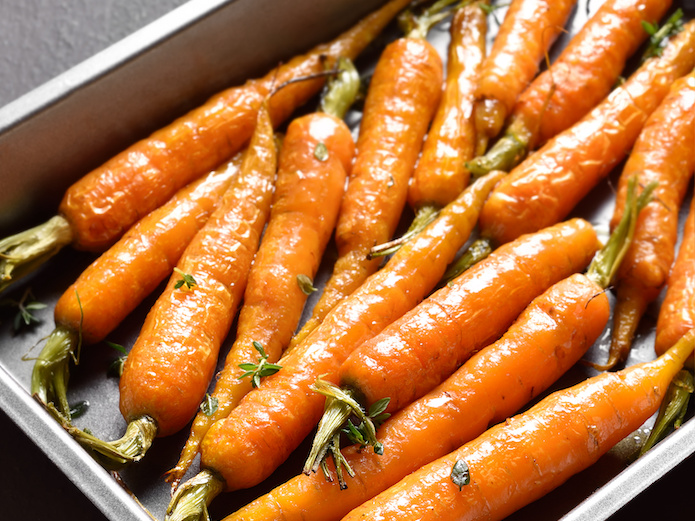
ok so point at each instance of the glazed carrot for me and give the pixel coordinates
(116, 282)
(581, 76)
(529, 29)
(316, 157)
(403, 95)
(677, 313)
(663, 153)
(273, 419)
(544, 188)
(524, 458)
(494, 384)
(170, 366)
(101, 206)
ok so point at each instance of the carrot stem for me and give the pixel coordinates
(341, 90)
(423, 217)
(190, 502)
(505, 154)
(22, 253)
(477, 251)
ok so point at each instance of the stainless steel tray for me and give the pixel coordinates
(58, 132)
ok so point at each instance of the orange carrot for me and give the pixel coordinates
(316, 156)
(272, 419)
(115, 283)
(101, 206)
(170, 366)
(529, 29)
(550, 335)
(544, 188)
(677, 313)
(522, 459)
(663, 154)
(403, 96)
(577, 80)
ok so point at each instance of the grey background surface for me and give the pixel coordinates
(40, 39)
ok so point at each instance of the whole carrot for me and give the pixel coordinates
(116, 282)
(271, 421)
(663, 153)
(169, 368)
(544, 188)
(677, 313)
(316, 157)
(403, 95)
(581, 76)
(529, 29)
(524, 458)
(101, 206)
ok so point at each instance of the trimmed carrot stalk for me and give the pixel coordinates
(550, 335)
(273, 419)
(101, 206)
(663, 153)
(316, 156)
(169, 368)
(544, 188)
(508, 266)
(518, 461)
(120, 279)
(677, 313)
(529, 29)
(583, 74)
(403, 95)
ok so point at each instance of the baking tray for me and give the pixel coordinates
(58, 132)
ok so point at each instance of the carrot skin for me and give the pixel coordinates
(441, 173)
(106, 202)
(426, 345)
(307, 196)
(115, 283)
(677, 313)
(663, 153)
(551, 334)
(529, 29)
(403, 95)
(172, 362)
(271, 421)
(519, 461)
(546, 186)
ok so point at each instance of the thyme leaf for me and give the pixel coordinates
(460, 474)
(258, 370)
(186, 279)
(210, 405)
(305, 284)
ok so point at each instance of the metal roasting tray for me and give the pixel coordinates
(58, 132)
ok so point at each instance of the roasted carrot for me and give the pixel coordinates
(101, 206)
(272, 419)
(529, 29)
(116, 282)
(663, 153)
(581, 76)
(524, 458)
(677, 312)
(403, 95)
(316, 157)
(169, 368)
(545, 187)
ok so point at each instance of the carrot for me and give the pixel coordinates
(677, 311)
(272, 420)
(529, 29)
(170, 366)
(101, 206)
(663, 153)
(522, 459)
(403, 95)
(316, 156)
(544, 188)
(581, 76)
(116, 282)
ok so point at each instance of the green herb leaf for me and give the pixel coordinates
(650, 28)
(260, 369)
(186, 279)
(210, 405)
(657, 35)
(116, 367)
(78, 409)
(305, 284)
(25, 306)
(117, 347)
(460, 474)
(321, 152)
(378, 407)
